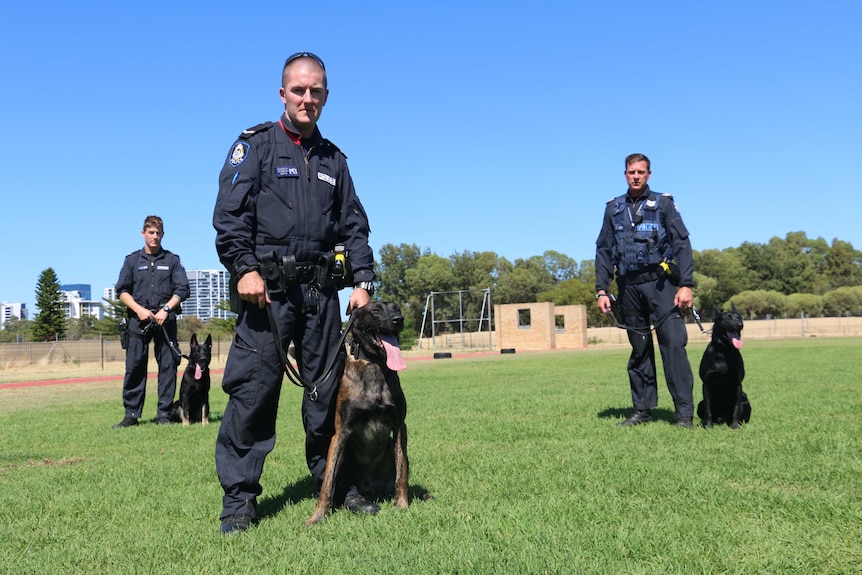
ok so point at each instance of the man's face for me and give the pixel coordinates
(637, 175)
(152, 240)
(304, 94)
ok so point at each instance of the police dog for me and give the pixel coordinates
(194, 401)
(370, 441)
(722, 371)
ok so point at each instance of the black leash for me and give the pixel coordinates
(175, 349)
(292, 373)
(646, 331)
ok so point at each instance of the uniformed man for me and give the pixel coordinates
(286, 199)
(152, 284)
(644, 240)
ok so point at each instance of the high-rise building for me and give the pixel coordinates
(82, 289)
(208, 289)
(77, 302)
(10, 310)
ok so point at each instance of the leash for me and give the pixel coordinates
(646, 331)
(292, 373)
(175, 349)
(697, 321)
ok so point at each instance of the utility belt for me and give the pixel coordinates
(283, 273)
(664, 270)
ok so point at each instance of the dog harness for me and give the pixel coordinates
(641, 240)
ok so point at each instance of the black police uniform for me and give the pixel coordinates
(291, 197)
(151, 280)
(646, 293)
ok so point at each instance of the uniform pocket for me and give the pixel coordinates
(242, 372)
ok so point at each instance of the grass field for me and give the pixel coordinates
(528, 471)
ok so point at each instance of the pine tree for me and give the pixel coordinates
(50, 322)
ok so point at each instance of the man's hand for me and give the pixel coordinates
(683, 298)
(604, 303)
(145, 315)
(358, 298)
(252, 288)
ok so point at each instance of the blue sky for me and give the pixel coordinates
(480, 126)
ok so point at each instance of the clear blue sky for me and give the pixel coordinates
(481, 126)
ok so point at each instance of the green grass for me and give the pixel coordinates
(528, 471)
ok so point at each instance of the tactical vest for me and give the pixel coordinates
(641, 239)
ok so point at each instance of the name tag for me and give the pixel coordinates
(287, 171)
(326, 178)
(166, 268)
(142, 268)
(647, 227)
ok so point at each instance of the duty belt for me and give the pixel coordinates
(281, 273)
(640, 278)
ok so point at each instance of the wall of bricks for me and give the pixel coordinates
(533, 326)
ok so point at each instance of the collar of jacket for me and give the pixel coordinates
(646, 193)
(294, 134)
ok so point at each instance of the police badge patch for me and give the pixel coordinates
(238, 153)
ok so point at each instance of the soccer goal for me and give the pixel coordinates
(457, 320)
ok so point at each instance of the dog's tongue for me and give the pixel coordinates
(394, 361)
(198, 371)
(737, 343)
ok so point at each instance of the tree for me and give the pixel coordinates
(843, 301)
(16, 330)
(759, 303)
(844, 265)
(728, 271)
(525, 282)
(804, 303)
(81, 328)
(560, 266)
(50, 322)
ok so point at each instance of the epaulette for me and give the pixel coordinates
(246, 134)
(668, 196)
(337, 149)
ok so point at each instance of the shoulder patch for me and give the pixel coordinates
(246, 134)
(238, 153)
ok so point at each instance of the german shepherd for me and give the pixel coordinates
(194, 401)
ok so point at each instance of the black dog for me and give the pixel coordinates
(370, 440)
(722, 372)
(194, 402)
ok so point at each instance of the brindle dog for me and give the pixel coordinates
(722, 371)
(370, 438)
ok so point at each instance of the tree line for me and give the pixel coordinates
(786, 277)
(782, 278)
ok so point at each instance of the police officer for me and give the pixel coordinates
(645, 241)
(285, 199)
(152, 284)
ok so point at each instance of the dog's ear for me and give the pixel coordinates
(209, 340)
(716, 311)
(733, 307)
(194, 341)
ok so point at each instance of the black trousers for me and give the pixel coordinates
(137, 357)
(644, 304)
(253, 379)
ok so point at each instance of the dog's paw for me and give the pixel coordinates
(707, 424)
(735, 424)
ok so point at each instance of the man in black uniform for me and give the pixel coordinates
(285, 199)
(644, 239)
(152, 284)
